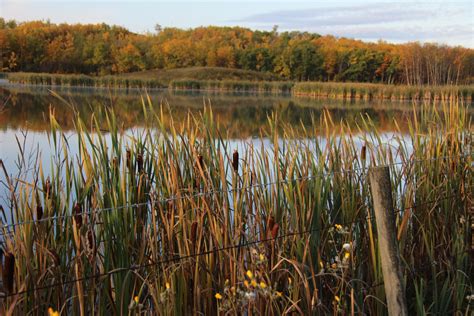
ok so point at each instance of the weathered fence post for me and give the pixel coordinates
(381, 188)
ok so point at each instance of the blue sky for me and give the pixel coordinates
(448, 22)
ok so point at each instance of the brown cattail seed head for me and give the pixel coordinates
(270, 223)
(235, 161)
(77, 211)
(200, 161)
(140, 162)
(39, 212)
(9, 272)
(194, 232)
(129, 158)
(47, 188)
(363, 153)
(90, 239)
(55, 256)
(275, 229)
(115, 163)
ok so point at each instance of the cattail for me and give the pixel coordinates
(275, 229)
(129, 158)
(39, 212)
(90, 244)
(90, 239)
(77, 211)
(194, 233)
(235, 161)
(270, 223)
(115, 163)
(200, 162)
(55, 256)
(8, 272)
(363, 153)
(140, 162)
(47, 188)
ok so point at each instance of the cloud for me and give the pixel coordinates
(442, 22)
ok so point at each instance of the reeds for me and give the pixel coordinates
(70, 80)
(271, 87)
(151, 240)
(372, 91)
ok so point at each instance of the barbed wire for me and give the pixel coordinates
(208, 252)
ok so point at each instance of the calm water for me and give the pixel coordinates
(24, 117)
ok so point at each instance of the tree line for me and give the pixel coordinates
(101, 49)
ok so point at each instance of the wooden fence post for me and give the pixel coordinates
(381, 188)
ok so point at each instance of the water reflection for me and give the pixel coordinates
(239, 115)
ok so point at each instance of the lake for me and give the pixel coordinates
(24, 119)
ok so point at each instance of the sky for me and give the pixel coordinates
(445, 22)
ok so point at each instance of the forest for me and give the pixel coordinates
(101, 49)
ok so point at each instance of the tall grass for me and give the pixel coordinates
(371, 91)
(332, 90)
(161, 255)
(69, 80)
(234, 86)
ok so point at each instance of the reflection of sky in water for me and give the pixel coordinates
(36, 145)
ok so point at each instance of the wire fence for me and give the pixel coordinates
(246, 244)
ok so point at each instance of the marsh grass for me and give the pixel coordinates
(156, 216)
(372, 91)
(217, 83)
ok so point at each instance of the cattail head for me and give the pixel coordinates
(115, 163)
(235, 161)
(77, 211)
(275, 229)
(55, 256)
(39, 212)
(90, 245)
(270, 223)
(363, 153)
(8, 272)
(140, 162)
(47, 188)
(200, 160)
(194, 227)
(129, 158)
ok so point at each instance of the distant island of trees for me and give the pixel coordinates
(101, 49)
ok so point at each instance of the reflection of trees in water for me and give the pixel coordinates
(242, 115)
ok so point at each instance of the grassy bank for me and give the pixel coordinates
(370, 91)
(172, 221)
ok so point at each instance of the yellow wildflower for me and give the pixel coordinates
(254, 283)
(167, 286)
(347, 255)
(336, 298)
(136, 299)
(52, 312)
(338, 227)
(218, 296)
(279, 294)
(250, 274)
(263, 285)
(262, 257)
(246, 283)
